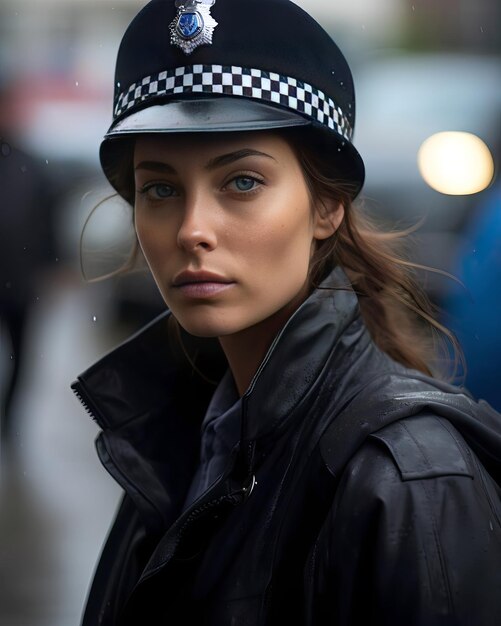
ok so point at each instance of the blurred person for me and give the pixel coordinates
(473, 309)
(287, 453)
(27, 248)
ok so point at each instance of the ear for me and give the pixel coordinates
(328, 217)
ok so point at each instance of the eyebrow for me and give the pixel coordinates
(226, 159)
(216, 162)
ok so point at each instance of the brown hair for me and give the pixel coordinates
(395, 308)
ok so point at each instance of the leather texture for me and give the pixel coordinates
(424, 447)
(375, 499)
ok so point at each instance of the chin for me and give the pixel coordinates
(203, 326)
(198, 330)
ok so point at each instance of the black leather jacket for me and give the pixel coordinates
(356, 494)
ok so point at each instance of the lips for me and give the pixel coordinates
(201, 285)
(202, 276)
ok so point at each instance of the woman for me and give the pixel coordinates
(285, 453)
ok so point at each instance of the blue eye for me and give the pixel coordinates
(162, 191)
(245, 183)
(158, 191)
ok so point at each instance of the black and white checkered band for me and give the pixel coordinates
(239, 81)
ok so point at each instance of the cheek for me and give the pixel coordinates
(280, 249)
(154, 240)
(155, 256)
(147, 242)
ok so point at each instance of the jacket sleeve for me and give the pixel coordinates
(413, 536)
(122, 560)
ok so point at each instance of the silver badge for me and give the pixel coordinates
(193, 25)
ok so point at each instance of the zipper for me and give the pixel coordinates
(85, 400)
(236, 497)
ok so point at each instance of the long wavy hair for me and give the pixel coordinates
(396, 310)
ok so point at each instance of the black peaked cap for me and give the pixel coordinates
(273, 35)
(270, 35)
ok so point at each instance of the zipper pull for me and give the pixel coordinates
(250, 488)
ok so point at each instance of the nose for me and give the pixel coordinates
(197, 231)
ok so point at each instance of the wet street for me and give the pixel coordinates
(56, 501)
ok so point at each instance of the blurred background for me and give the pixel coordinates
(428, 80)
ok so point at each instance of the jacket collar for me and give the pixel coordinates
(318, 366)
(150, 371)
(328, 320)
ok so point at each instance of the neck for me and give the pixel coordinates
(246, 349)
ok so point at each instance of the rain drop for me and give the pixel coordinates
(47, 161)
(5, 149)
(76, 83)
(94, 318)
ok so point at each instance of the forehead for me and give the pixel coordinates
(206, 145)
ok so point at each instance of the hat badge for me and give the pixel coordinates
(193, 25)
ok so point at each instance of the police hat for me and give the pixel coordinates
(233, 65)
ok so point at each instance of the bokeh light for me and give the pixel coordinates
(456, 163)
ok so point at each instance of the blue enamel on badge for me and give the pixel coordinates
(189, 25)
(193, 25)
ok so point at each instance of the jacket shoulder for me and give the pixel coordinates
(414, 519)
(425, 446)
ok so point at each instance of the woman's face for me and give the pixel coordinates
(226, 226)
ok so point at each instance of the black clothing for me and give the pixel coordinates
(27, 248)
(220, 432)
(14, 321)
(27, 237)
(370, 504)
